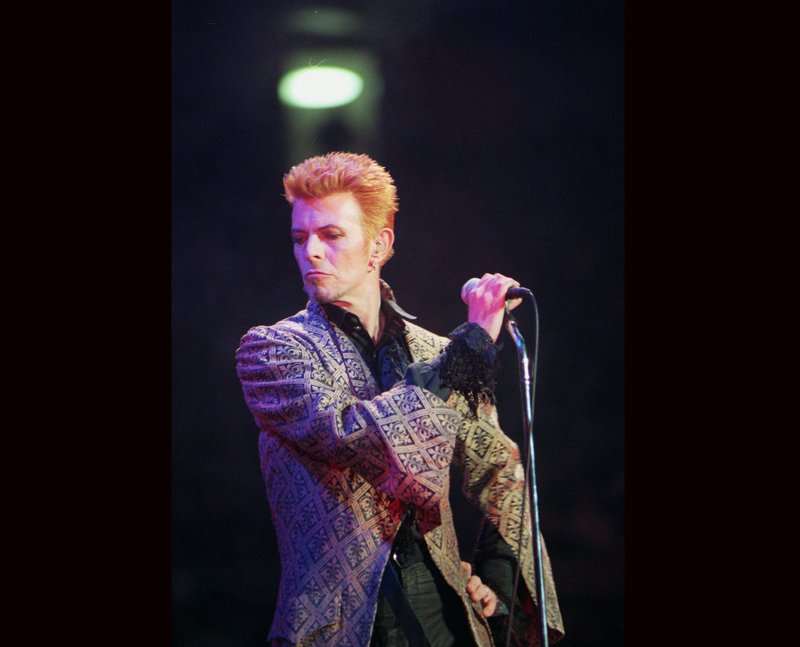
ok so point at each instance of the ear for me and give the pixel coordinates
(381, 245)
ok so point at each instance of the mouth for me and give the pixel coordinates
(315, 274)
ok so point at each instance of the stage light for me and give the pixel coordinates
(320, 87)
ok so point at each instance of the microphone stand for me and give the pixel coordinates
(527, 393)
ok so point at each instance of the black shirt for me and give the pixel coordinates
(390, 359)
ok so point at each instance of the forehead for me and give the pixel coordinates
(339, 209)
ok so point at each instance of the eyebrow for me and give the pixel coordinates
(295, 230)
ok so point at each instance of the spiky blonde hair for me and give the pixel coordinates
(369, 183)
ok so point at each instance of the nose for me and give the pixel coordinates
(313, 247)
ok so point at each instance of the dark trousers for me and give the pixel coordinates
(438, 608)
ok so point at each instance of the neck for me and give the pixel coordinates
(367, 308)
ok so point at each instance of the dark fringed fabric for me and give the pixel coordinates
(470, 365)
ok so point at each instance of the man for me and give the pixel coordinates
(361, 413)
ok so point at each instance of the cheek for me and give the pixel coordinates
(298, 256)
(355, 260)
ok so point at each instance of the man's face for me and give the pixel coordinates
(330, 248)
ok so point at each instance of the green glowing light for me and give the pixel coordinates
(320, 87)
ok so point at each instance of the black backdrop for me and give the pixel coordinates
(502, 124)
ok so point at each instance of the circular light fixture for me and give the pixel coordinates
(320, 87)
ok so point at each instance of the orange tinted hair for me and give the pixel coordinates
(369, 183)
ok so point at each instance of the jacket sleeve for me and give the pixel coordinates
(400, 441)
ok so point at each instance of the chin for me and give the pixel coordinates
(319, 294)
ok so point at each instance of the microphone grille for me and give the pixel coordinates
(469, 286)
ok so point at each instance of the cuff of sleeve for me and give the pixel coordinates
(470, 365)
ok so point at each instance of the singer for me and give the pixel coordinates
(361, 413)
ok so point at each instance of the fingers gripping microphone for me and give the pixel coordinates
(513, 293)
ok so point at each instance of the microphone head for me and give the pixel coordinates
(469, 286)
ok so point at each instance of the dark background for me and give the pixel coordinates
(502, 124)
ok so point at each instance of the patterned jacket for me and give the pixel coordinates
(341, 460)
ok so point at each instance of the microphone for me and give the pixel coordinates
(513, 293)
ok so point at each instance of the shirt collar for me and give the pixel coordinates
(394, 316)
